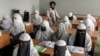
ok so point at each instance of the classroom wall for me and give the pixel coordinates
(7, 5)
(75, 6)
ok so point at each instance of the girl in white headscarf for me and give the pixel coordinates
(81, 38)
(89, 24)
(72, 16)
(60, 49)
(6, 22)
(18, 16)
(44, 32)
(61, 33)
(91, 17)
(16, 29)
(36, 20)
(67, 22)
(26, 47)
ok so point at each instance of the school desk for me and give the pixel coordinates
(50, 51)
(29, 28)
(82, 17)
(93, 34)
(76, 23)
(4, 39)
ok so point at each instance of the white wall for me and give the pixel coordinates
(75, 6)
(7, 5)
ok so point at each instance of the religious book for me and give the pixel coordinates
(49, 44)
(40, 49)
(75, 49)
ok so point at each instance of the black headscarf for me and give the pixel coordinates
(59, 50)
(24, 48)
(71, 18)
(80, 38)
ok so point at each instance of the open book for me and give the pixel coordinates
(40, 49)
(47, 44)
(75, 49)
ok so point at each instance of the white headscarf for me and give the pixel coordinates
(66, 19)
(61, 29)
(91, 17)
(70, 14)
(67, 22)
(36, 19)
(44, 35)
(62, 43)
(46, 24)
(88, 42)
(17, 27)
(18, 17)
(89, 24)
(26, 37)
(6, 22)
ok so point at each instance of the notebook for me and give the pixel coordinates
(40, 49)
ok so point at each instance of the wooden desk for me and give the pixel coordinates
(76, 23)
(29, 28)
(49, 51)
(82, 17)
(4, 39)
(93, 34)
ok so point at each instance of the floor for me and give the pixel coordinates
(97, 49)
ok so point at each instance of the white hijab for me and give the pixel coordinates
(18, 17)
(91, 17)
(36, 19)
(44, 35)
(26, 37)
(70, 14)
(61, 29)
(17, 27)
(88, 42)
(89, 24)
(6, 22)
(66, 19)
(67, 22)
(63, 43)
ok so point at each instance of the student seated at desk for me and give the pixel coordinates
(91, 17)
(26, 47)
(52, 13)
(72, 16)
(89, 24)
(81, 38)
(18, 16)
(61, 33)
(44, 32)
(60, 49)
(36, 20)
(17, 28)
(6, 22)
(67, 22)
